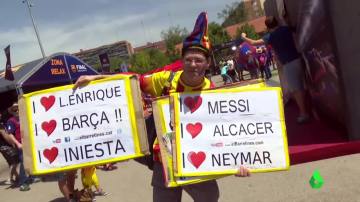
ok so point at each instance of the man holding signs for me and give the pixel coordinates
(196, 60)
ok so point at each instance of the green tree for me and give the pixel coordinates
(148, 60)
(174, 35)
(97, 66)
(249, 30)
(217, 34)
(140, 62)
(158, 58)
(233, 14)
(115, 63)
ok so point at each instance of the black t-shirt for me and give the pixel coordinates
(281, 40)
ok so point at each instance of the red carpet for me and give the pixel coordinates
(315, 140)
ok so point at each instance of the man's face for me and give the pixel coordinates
(195, 64)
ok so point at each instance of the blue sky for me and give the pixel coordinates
(71, 25)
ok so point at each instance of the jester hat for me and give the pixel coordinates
(198, 39)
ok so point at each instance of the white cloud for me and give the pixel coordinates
(80, 34)
(92, 30)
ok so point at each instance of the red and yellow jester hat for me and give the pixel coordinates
(198, 39)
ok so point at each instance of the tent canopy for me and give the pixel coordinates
(19, 72)
(55, 70)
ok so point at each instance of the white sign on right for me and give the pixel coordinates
(219, 131)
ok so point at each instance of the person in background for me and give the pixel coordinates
(241, 61)
(107, 167)
(66, 184)
(123, 67)
(239, 66)
(90, 179)
(260, 57)
(263, 63)
(270, 57)
(252, 65)
(13, 127)
(267, 70)
(281, 40)
(224, 74)
(231, 70)
(8, 149)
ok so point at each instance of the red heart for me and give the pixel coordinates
(49, 127)
(193, 103)
(51, 154)
(47, 102)
(194, 129)
(196, 158)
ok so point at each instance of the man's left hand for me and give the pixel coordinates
(243, 35)
(243, 172)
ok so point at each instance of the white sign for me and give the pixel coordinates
(219, 131)
(166, 136)
(87, 125)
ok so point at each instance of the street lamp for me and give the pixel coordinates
(29, 5)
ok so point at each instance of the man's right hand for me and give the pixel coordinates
(84, 80)
(243, 35)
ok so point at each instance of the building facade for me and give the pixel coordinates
(160, 45)
(120, 49)
(254, 9)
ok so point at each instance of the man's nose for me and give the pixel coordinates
(192, 63)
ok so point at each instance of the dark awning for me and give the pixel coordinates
(55, 70)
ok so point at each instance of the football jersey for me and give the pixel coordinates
(162, 83)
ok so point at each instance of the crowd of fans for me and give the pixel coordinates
(256, 62)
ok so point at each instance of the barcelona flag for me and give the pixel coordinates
(8, 72)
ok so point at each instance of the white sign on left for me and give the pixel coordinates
(90, 124)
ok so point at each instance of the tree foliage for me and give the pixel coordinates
(249, 30)
(115, 63)
(148, 60)
(174, 35)
(217, 34)
(233, 14)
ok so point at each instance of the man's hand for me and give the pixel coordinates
(84, 80)
(243, 35)
(243, 172)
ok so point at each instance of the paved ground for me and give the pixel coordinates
(131, 183)
(273, 81)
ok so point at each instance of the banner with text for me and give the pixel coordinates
(66, 129)
(161, 110)
(219, 130)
